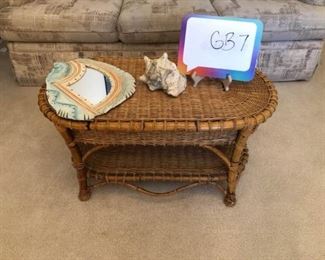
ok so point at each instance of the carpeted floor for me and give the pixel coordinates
(281, 198)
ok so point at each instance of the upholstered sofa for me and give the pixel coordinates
(39, 32)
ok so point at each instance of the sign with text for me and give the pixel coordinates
(216, 47)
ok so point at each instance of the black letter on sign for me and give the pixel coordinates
(217, 45)
(232, 43)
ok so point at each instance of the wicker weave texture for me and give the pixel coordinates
(156, 138)
(206, 103)
(154, 160)
(204, 108)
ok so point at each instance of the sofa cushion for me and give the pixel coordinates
(314, 2)
(283, 20)
(61, 21)
(153, 21)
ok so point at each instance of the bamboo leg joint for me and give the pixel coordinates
(78, 166)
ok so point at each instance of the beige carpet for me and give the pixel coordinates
(281, 198)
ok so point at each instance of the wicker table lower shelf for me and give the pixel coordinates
(199, 137)
(129, 165)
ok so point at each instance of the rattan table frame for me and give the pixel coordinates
(85, 139)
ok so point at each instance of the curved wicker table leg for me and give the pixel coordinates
(236, 166)
(243, 161)
(84, 190)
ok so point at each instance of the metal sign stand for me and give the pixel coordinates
(226, 82)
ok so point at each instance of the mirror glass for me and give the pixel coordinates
(93, 86)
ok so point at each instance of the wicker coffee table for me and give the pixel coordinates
(198, 138)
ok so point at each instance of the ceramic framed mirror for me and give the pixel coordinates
(82, 89)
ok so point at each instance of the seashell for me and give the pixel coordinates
(163, 74)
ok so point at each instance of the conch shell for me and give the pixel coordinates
(163, 74)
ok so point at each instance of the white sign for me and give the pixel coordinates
(220, 46)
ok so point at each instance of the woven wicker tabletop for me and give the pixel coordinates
(206, 107)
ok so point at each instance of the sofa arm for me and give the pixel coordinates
(314, 2)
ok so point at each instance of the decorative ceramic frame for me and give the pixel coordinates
(69, 104)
